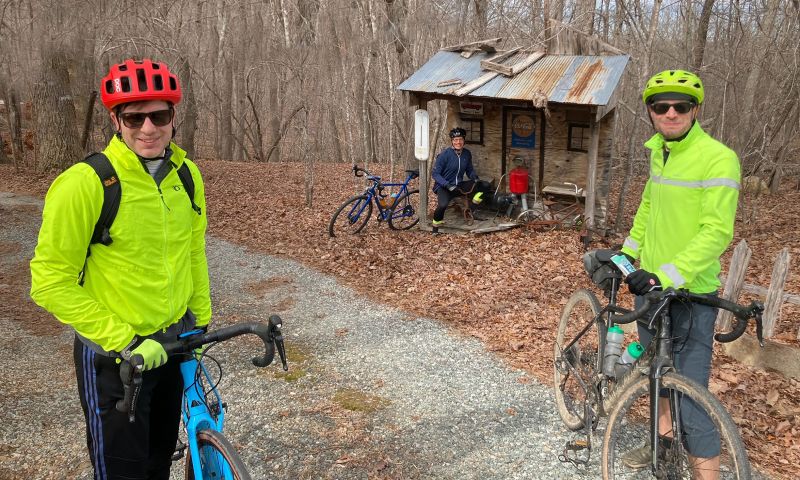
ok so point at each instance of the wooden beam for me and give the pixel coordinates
(447, 83)
(532, 58)
(773, 356)
(474, 84)
(591, 173)
(735, 281)
(487, 45)
(762, 292)
(772, 305)
(494, 64)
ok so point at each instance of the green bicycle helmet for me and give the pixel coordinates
(674, 81)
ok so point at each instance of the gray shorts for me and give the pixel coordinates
(693, 340)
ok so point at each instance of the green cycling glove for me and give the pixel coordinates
(153, 354)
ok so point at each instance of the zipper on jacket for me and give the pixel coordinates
(458, 169)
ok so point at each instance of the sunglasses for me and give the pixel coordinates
(662, 108)
(159, 118)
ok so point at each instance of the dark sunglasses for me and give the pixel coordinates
(159, 118)
(662, 108)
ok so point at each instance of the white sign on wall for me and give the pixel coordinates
(421, 135)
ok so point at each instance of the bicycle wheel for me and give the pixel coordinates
(628, 429)
(577, 359)
(217, 458)
(405, 212)
(352, 216)
(532, 214)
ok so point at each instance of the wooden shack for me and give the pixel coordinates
(553, 113)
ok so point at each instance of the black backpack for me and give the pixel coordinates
(112, 192)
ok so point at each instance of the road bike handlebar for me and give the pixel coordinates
(360, 172)
(269, 333)
(741, 313)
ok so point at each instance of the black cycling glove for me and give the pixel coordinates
(642, 281)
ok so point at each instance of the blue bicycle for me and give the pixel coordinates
(400, 209)
(210, 454)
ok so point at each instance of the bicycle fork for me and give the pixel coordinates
(661, 365)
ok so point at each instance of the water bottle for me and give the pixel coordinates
(614, 338)
(628, 358)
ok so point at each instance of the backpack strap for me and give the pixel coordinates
(188, 185)
(112, 192)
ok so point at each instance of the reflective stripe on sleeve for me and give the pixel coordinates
(711, 182)
(631, 243)
(672, 272)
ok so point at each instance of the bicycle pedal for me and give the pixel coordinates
(180, 449)
(570, 453)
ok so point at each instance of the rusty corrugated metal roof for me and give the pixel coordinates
(578, 79)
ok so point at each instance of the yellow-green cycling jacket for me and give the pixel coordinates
(685, 220)
(153, 271)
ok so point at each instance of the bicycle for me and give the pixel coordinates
(399, 209)
(584, 393)
(550, 213)
(210, 455)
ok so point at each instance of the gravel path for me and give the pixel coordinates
(372, 392)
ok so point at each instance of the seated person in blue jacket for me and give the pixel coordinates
(448, 171)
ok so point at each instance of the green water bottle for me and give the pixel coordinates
(628, 358)
(613, 350)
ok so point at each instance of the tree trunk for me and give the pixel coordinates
(188, 125)
(226, 133)
(699, 47)
(58, 144)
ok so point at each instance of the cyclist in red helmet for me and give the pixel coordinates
(141, 287)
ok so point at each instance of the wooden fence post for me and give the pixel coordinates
(734, 281)
(772, 306)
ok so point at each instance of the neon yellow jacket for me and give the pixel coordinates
(144, 281)
(685, 219)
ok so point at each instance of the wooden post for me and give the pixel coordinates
(772, 306)
(591, 174)
(734, 282)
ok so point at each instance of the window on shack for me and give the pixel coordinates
(474, 128)
(578, 137)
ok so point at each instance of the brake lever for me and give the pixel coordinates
(130, 372)
(276, 335)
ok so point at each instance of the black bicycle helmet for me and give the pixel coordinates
(458, 132)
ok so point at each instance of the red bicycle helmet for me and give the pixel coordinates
(136, 81)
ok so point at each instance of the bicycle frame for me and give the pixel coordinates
(197, 412)
(654, 313)
(196, 415)
(373, 196)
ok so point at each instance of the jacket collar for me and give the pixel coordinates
(128, 159)
(657, 141)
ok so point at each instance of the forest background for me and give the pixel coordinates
(314, 80)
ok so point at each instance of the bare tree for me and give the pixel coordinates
(58, 144)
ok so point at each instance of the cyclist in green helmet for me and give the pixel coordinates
(682, 226)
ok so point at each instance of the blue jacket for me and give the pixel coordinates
(450, 167)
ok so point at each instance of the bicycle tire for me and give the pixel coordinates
(584, 357)
(537, 213)
(628, 428)
(405, 211)
(214, 450)
(356, 215)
